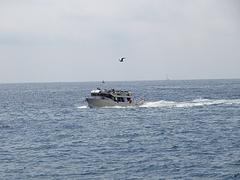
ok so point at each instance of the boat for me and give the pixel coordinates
(110, 98)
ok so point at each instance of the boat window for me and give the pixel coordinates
(129, 100)
(120, 99)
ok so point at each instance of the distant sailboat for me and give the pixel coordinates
(167, 78)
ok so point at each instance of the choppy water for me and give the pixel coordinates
(185, 130)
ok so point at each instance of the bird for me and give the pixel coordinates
(122, 59)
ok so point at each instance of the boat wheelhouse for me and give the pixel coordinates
(108, 98)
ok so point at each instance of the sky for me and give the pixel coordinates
(82, 40)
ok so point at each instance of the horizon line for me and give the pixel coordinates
(95, 81)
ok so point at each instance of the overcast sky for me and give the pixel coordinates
(81, 40)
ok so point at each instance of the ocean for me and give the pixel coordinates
(187, 129)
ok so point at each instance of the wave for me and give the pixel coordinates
(82, 107)
(193, 103)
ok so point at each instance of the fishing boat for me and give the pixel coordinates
(109, 98)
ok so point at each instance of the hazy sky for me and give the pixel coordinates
(81, 40)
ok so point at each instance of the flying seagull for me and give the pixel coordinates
(122, 59)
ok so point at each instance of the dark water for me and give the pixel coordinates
(185, 130)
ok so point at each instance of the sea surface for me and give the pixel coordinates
(185, 130)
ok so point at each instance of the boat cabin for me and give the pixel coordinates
(115, 95)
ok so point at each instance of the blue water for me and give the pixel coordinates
(185, 130)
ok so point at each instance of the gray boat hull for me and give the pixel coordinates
(98, 103)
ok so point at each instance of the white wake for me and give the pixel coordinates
(179, 104)
(82, 107)
(193, 103)
(107, 107)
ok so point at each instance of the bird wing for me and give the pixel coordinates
(122, 59)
